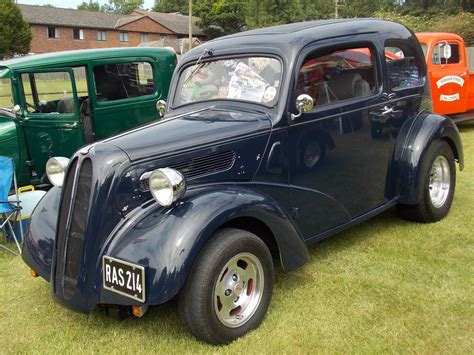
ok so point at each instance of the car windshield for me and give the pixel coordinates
(252, 79)
(6, 98)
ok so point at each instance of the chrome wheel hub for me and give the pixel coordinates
(238, 290)
(440, 181)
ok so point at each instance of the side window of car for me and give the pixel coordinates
(403, 66)
(81, 81)
(48, 92)
(6, 97)
(438, 56)
(123, 80)
(338, 74)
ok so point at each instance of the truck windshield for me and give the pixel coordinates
(6, 98)
(253, 79)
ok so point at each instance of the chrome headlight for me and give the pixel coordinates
(167, 186)
(56, 169)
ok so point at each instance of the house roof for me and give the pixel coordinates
(175, 22)
(55, 16)
(46, 15)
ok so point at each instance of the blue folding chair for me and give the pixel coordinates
(9, 209)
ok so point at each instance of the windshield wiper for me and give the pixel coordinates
(198, 64)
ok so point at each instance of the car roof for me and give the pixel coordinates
(82, 56)
(290, 38)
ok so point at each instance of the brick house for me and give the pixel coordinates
(57, 29)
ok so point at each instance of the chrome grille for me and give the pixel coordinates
(72, 222)
(200, 166)
(62, 222)
(75, 240)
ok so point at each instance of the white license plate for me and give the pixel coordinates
(124, 278)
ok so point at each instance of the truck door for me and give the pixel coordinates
(447, 71)
(124, 94)
(50, 115)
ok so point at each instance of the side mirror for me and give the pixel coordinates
(447, 51)
(161, 107)
(304, 103)
(16, 109)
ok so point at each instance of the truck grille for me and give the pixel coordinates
(71, 225)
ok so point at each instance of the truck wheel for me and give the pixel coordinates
(438, 181)
(229, 288)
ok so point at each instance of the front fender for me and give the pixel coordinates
(167, 241)
(38, 247)
(426, 129)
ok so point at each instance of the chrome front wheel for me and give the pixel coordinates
(238, 290)
(229, 288)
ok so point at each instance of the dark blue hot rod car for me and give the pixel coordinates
(273, 139)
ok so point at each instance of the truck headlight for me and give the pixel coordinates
(167, 186)
(56, 169)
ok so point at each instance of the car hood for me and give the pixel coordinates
(191, 131)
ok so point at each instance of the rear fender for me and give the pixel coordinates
(425, 129)
(167, 241)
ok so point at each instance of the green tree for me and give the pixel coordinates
(15, 33)
(123, 6)
(461, 24)
(90, 6)
(360, 8)
(261, 13)
(220, 17)
(172, 6)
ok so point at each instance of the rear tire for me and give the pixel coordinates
(438, 182)
(229, 288)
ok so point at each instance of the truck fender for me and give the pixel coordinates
(38, 247)
(168, 240)
(425, 129)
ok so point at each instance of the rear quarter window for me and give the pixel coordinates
(119, 81)
(404, 66)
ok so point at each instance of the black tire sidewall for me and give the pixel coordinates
(440, 148)
(224, 245)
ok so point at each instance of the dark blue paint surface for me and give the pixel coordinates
(359, 175)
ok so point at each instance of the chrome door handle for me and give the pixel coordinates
(387, 110)
(71, 125)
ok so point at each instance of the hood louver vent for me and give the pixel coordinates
(199, 166)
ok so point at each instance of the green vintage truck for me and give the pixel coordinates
(52, 104)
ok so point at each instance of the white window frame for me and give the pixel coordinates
(101, 36)
(123, 37)
(144, 37)
(81, 34)
(56, 32)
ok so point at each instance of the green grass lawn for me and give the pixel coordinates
(384, 286)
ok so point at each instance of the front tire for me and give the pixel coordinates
(438, 182)
(229, 288)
